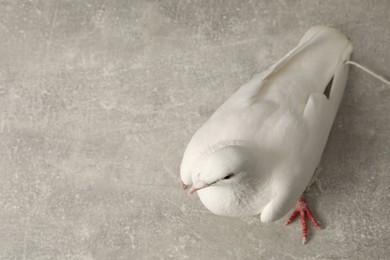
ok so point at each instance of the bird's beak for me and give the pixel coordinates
(197, 186)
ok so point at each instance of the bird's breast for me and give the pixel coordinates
(229, 202)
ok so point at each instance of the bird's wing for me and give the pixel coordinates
(302, 156)
(304, 137)
(251, 92)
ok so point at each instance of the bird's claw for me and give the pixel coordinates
(302, 209)
(182, 185)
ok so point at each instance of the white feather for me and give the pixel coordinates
(271, 133)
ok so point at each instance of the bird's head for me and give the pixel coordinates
(226, 178)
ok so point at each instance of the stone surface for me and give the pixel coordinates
(100, 98)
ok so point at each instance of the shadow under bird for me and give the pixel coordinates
(258, 152)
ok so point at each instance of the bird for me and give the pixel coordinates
(258, 151)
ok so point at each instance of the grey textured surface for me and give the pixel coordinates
(99, 99)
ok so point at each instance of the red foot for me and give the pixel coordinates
(302, 209)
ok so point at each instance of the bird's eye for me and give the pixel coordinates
(227, 177)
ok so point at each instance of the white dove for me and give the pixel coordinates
(258, 152)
